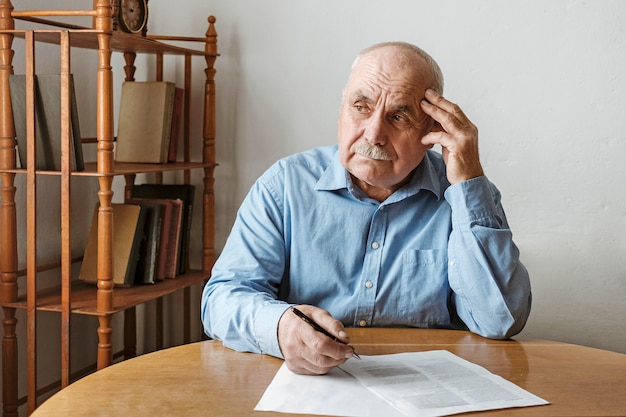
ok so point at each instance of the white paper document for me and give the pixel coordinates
(432, 383)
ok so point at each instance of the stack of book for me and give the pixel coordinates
(150, 235)
(149, 122)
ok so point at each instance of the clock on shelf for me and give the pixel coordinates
(130, 16)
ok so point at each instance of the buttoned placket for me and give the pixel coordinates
(372, 263)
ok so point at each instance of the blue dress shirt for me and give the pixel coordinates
(431, 255)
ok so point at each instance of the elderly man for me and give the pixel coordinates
(379, 230)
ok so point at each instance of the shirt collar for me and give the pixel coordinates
(427, 176)
(335, 177)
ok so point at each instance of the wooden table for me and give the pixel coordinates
(204, 378)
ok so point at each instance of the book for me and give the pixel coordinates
(148, 257)
(128, 235)
(167, 258)
(172, 260)
(145, 120)
(47, 96)
(184, 192)
(177, 114)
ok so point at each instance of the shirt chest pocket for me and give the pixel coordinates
(425, 287)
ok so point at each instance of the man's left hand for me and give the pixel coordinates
(457, 136)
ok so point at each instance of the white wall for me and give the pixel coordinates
(544, 81)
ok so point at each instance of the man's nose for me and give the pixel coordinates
(376, 129)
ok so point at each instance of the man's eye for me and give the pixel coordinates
(359, 108)
(398, 118)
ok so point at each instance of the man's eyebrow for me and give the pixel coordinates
(404, 108)
(359, 96)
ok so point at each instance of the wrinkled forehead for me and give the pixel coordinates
(392, 71)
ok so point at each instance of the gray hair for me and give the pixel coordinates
(416, 51)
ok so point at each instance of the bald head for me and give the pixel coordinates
(405, 56)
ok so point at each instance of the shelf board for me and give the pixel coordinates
(123, 168)
(91, 169)
(120, 41)
(83, 296)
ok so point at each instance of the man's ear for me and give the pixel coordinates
(433, 126)
(436, 126)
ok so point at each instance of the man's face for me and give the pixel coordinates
(381, 123)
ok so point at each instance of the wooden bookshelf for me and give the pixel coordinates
(71, 296)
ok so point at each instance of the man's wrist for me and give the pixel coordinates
(266, 327)
(471, 200)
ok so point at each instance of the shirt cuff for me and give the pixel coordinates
(471, 200)
(266, 327)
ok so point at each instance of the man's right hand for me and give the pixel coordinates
(307, 351)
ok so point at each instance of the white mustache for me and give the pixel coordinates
(372, 151)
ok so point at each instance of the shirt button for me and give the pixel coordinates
(368, 284)
(375, 245)
(362, 323)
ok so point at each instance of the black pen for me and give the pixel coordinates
(308, 320)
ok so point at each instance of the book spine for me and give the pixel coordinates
(135, 253)
(177, 112)
(172, 269)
